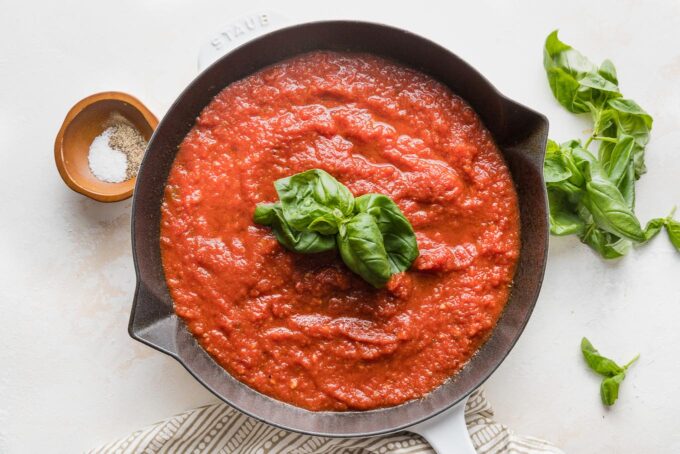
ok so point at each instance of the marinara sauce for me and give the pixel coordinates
(303, 328)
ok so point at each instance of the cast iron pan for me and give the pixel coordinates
(520, 133)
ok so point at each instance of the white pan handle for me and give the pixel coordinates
(447, 433)
(237, 32)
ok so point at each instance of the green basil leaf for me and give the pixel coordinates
(363, 251)
(608, 245)
(618, 163)
(603, 120)
(398, 236)
(563, 218)
(554, 168)
(577, 83)
(630, 119)
(605, 201)
(609, 388)
(303, 242)
(613, 373)
(610, 211)
(627, 186)
(265, 213)
(314, 201)
(598, 363)
(597, 82)
(673, 230)
(608, 71)
(653, 228)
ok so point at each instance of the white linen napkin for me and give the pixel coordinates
(218, 428)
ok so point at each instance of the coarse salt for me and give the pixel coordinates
(106, 163)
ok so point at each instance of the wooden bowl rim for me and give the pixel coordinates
(81, 105)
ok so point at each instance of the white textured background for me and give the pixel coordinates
(70, 378)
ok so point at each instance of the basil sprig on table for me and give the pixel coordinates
(593, 196)
(612, 373)
(317, 213)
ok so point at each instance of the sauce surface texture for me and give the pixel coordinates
(303, 328)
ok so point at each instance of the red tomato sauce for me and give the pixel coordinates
(303, 328)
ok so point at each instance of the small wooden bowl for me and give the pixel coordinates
(85, 121)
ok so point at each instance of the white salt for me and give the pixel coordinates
(106, 163)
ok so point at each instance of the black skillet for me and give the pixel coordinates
(520, 133)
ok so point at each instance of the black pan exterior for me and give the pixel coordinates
(520, 133)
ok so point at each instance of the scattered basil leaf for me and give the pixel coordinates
(610, 210)
(608, 71)
(575, 81)
(598, 363)
(562, 220)
(594, 197)
(604, 200)
(315, 201)
(554, 167)
(608, 245)
(628, 118)
(363, 251)
(398, 236)
(673, 229)
(627, 186)
(609, 388)
(618, 163)
(303, 242)
(613, 373)
(653, 228)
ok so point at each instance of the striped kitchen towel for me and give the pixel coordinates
(218, 428)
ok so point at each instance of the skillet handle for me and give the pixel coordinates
(152, 322)
(239, 31)
(447, 433)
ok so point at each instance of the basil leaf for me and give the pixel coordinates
(563, 219)
(316, 213)
(627, 186)
(598, 363)
(628, 118)
(608, 71)
(303, 242)
(610, 211)
(567, 153)
(264, 213)
(620, 158)
(398, 235)
(554, 168)
(653, 228)
(361, 248)
(314, 201)
(605, 202)
(577, 83)
(673, 230)
(609, 388)
(613, 373)
(608, 245)
(595, 197)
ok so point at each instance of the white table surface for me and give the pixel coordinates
(71, 378)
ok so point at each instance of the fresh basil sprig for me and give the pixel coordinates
(317, 213)
(594, 196)
(305, 242)
(613, 373)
